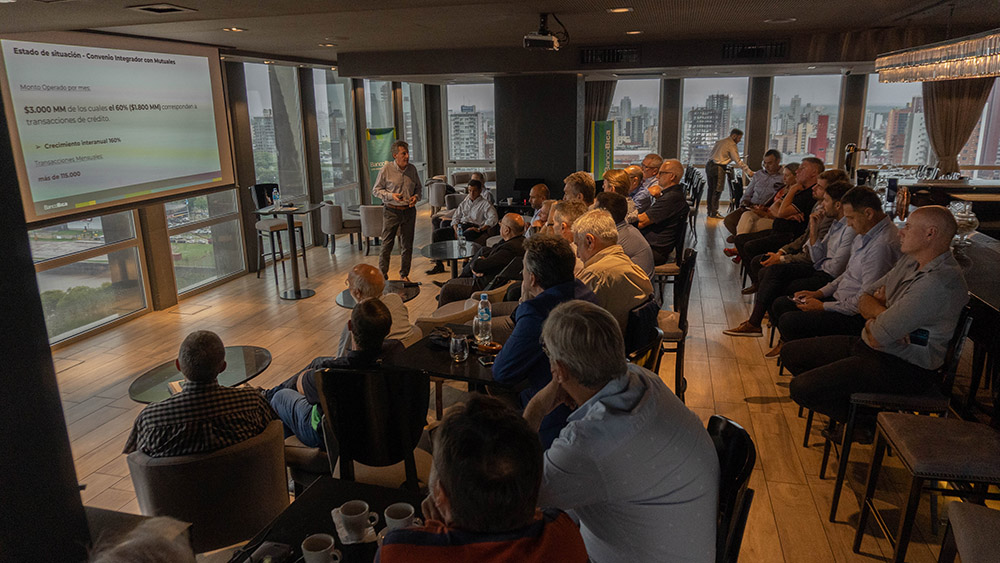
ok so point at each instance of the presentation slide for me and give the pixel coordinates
(99, 126)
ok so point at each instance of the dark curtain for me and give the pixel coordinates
(952, 108)
(597, 96)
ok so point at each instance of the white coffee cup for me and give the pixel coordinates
(400, 515)
(355, 517)
(319, 548)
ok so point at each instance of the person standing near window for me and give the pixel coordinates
(398, 186)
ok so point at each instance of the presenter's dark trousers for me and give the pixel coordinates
(716, 175)
(397, 220)
(829, 369)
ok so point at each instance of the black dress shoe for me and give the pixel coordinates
(437, 269)
(439, 283)
(749, 290)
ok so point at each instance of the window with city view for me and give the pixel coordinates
(378, 104)
(895, 129)
(415, 126)
(335, 126)
(804, 115)
(471, 122)
(635, 110)
(712, 107)
(205, 239)
(88, 273)
(276, 127)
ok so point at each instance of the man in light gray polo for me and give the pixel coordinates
(398, 186)
(633, 465)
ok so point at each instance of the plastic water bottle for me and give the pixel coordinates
(461, 239)
(276, 198)
(482, 325)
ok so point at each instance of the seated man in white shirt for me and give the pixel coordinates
(475, 215)
(633, 465)
(365, 282)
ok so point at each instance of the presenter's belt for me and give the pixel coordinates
(397, 207)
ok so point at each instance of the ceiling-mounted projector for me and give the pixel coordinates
(543, 38)
(545, 41)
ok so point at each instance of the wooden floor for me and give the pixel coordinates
(726, 375)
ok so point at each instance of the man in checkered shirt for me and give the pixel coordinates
(205, 416)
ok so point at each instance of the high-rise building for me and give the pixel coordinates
(626, 107)
(467, 134)
(796, 108)
(895, 133)
(819, 144)
(723, 105)
(262, 133)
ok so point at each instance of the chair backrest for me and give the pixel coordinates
(451, 201)
(371, 220)
(512, 271)
(737, 456)
(460, 178)
(261, 194)
(954, 351)
(331, 218)
(680, 238)
(682, 286)
(377, 414)
(641, 327)
(436, 193)
(649, 355)
(228, 495)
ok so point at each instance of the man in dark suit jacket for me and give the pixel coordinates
(548, 281)
(661, 223)
(481, 270)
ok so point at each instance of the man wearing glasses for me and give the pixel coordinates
(642, 196)
(660, 223)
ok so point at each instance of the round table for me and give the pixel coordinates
(451, 251)
(406, 290)
(243, 363)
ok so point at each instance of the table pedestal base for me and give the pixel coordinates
(293, 294)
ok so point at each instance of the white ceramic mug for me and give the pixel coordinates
(319, 548)
(355, 517)
(400, 515)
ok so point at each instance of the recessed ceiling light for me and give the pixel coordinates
(333, 68)
(222, 58)
(236, 29)
(622, 10)
(7, 1)
(633, 32)
(327, 44)
(813, 67)
(269, 62)
(780, 20)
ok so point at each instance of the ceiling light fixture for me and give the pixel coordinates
(236, 29)
(633, 32)
(781, 20)
(269, 62)
(622, 10)
(813, 67)
(333, 68)
(327, 44)
(973, 56)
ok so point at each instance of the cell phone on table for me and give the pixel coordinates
(799, 300)
(487, 361)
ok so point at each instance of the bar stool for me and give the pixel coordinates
(930, 449)
(261, 197)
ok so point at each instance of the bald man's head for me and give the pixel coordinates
(671, 173)
(512, 225)
(539, 193)
(365, 282)
(929, 230)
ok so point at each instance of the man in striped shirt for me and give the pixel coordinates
(205, 416)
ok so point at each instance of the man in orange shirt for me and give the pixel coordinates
(483, 492)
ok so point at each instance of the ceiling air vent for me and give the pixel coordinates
(756, 50)
(609, 55)
(161, 9)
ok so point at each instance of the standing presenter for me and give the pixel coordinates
(398, 186)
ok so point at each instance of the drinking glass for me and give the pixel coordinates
(459, 348)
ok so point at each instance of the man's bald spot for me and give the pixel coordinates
(367, 279)
(540, 190)
(514, 222)
(673, 166)
(939, 218)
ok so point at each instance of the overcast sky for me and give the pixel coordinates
(479, 95)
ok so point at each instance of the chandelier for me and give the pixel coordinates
(973, 56)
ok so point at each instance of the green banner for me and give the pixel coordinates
(602, 147)
(379, 152)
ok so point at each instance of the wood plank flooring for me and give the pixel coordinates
(726, 375)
